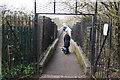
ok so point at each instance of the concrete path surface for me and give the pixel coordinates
(61, 65)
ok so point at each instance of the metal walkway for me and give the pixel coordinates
(63, 66)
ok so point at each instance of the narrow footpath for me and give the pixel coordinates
(63, 66)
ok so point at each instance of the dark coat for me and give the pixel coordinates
(66, 40)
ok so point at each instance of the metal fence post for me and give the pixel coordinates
(35, 40)
(93, 41)
(76, 8)
(0, 50)
(92, 48)
(43, 33)
(108, 64)
(38, 26)
(54, 6)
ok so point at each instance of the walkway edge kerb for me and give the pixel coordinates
(43, 61)
(84, 59)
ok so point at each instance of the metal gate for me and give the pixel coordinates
(100, 62)
(26, 41)
(53, 10)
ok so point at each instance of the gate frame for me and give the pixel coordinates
(36, 39)
(1, 51)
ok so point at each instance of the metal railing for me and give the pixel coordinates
(105, 62)
(17, 44)
(18, 58)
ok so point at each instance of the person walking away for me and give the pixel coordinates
(64, 28)
(66, 42)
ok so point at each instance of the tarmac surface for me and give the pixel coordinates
(63, 66)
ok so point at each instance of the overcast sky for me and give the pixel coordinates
(21, 4)
(28, 5)
(24, 5)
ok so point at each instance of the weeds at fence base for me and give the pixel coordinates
(19, 72)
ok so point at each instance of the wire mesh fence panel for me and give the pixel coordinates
(106, 63)
(48, 33)
(44, 6)
(104, 56)
(81, 34)
(63, 6)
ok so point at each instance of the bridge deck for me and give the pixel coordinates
(62, 65)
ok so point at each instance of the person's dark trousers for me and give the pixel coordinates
(67, 50)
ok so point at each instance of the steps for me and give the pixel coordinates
(63, 76)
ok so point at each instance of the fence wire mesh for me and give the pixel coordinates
(63, 6)
(106, 62)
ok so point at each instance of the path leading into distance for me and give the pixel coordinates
(63, 66)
